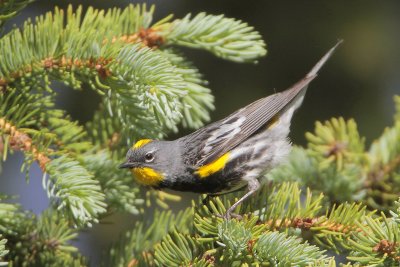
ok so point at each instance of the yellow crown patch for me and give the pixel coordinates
(141, 143)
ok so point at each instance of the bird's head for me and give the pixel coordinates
(148, 160)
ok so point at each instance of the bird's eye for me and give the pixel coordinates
(149, 157)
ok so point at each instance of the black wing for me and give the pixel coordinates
(209, 143)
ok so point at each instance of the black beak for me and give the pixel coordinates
(126, 165)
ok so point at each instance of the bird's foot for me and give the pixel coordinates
(229, 215)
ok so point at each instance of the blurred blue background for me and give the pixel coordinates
(358, 82)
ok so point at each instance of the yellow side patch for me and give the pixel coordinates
(147, 176)
(273, 122)
(141, 143)
(213, 167)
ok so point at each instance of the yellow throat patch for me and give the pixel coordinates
(147, 176)
(213, 167)
(141, 143)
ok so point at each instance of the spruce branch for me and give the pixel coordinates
(69, 185)
(146, 92)
(85, 202)
(384, 153)
(137, 246)
(286, 210)
(37, 241)
(104, 132)
(339, 223)
(148, 88)
(273, 247)
(18, 140)
(233, 242)
(334, 161)
(278, 208)
(199, 100)
(337, 161)
(395, 213)
(69, 136)
(336, 142)
(31, 124)
(10, 8)
(64, 52)
(156, 90)
(45, 241)
(383, 182)
(178, 249)
(225, 37)
(234, 238)
(9, 216)
(139, 77)
(161, 198)
(3, 251)
(57, 232)
(118, 188)
(329, 262)
(377, 244)
(283, 202)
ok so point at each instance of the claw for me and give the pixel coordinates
(229, 215)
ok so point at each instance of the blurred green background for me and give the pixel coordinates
(358, 82)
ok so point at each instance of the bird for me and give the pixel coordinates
(228, 155)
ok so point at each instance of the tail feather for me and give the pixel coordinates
(295, 94)
(314, 71)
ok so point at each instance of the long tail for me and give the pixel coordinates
(322, 61)
(294, 95)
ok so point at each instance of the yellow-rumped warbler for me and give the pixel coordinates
(226, 155)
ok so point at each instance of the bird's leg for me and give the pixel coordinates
(253, 185)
